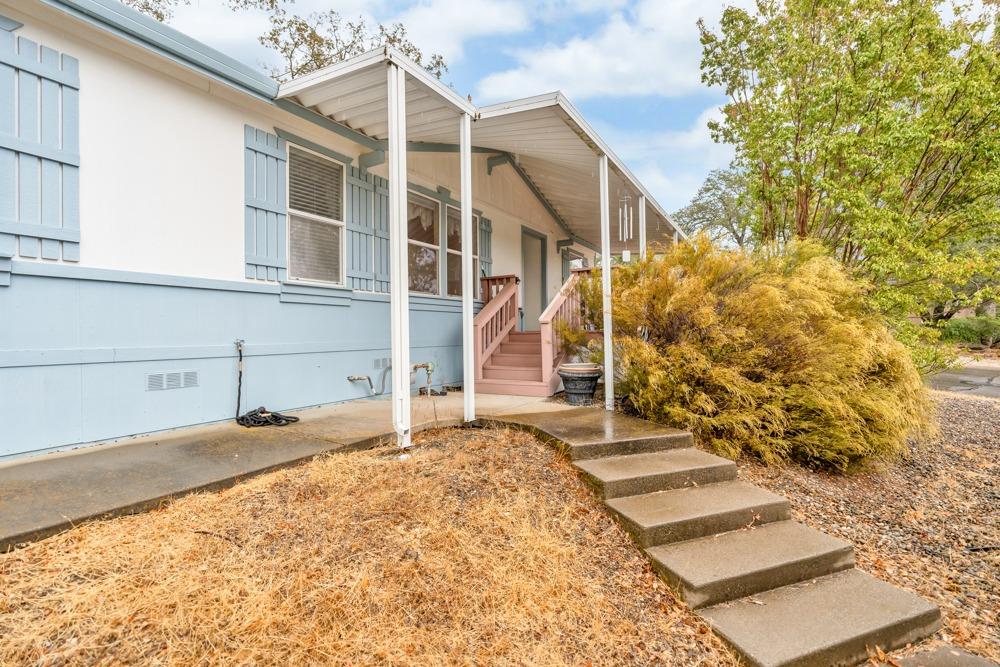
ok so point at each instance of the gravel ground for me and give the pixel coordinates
(929, 523)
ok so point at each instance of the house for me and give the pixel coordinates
(165, 210)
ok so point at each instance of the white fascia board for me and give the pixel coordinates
(330, 72)
(516, 106)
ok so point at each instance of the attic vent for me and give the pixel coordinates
(171, 380)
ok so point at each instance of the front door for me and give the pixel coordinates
(532, 277)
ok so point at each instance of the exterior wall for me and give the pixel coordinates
(82, 378)
(161, 284)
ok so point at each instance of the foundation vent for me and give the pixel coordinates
(171, 380)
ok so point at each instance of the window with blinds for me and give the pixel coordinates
(316, 226)
(315, 184)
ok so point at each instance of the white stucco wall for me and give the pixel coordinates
(161, 174)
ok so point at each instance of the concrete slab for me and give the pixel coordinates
(686, 514)
(946, 656)
(43, 495)
(593, 433)
(635, 474)
(724, 567)
(823, 622)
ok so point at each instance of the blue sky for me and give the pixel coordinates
(631, 66)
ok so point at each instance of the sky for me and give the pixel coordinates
(630, 66)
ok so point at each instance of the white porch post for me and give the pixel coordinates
(399, 295)
(609, 361)
(468, 279)
(642, 226)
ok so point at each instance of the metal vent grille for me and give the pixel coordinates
(171, 380)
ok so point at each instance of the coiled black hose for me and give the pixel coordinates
(260, 416)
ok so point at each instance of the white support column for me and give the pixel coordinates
(399, 294)
(609, 357)
(468, 279)
(642, 226)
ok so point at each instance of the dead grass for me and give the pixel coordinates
(482, 548)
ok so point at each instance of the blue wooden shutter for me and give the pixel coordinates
(485, 247)
(360, 230)
(40, 156)
(266, 204)
(381, 200)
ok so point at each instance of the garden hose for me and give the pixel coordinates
(261, 416)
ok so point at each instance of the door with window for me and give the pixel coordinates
(532, 277)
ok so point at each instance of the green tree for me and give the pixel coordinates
(871, 126)
(720, 209)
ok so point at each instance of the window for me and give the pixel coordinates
(315, 217)
(422, 218)
(454, 251)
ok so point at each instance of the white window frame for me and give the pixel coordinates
(437, 204)
(475, 251)
(342, 282)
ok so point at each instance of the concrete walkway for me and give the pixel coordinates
(975, 377)
(46, 494)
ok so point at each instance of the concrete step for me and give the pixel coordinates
(945, 656)
(635, 474)
(520, 348)
(594, 433)
(823, 622)
(491, 372)
(513, 387)
(724, 567)
(686, 514)
(500, 359)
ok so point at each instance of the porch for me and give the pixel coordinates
(425, 139)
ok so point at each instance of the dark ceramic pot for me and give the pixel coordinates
(580, 382)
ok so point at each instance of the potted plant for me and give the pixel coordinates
(579, 377)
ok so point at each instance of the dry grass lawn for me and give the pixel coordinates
(481, 548)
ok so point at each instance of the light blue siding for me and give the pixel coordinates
(73, 363)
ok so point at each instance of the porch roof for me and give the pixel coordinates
(544, 138)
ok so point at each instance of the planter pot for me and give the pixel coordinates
(580, 382)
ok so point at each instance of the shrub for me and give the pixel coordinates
(974, 330)
(773, 355)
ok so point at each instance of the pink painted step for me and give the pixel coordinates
(512, 373)
(520, 348)
(530, 360)
(513, 387)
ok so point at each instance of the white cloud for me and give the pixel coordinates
(444, 26)
(652, 49)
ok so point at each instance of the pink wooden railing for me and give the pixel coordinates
(494, 322)
(490, 286)
(565, 307)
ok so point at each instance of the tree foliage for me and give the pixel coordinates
(721, 209)
(308, 43)
(775, 354)
(871, 126)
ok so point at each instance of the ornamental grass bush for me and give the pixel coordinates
(772, 355)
